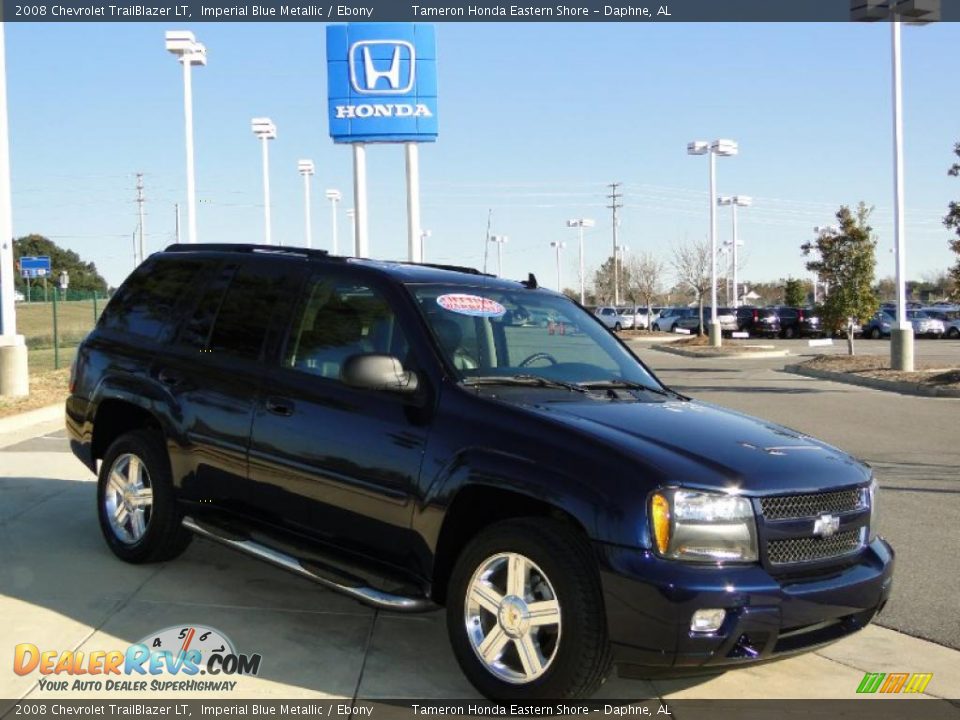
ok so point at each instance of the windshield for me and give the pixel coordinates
(492, 333)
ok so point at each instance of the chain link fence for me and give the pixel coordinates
(54, 321)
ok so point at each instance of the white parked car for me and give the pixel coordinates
(924, 324)
(610, 316)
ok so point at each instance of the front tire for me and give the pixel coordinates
(135, 502)
(876, 334)
(525, 613)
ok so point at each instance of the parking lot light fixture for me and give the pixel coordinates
(334, 196)
(580, 224)
(306, 168)
(734, 202)
(500, 240)
(351, 214)
(724, 148)
(558, 246)
(183, 44)
(264, 129)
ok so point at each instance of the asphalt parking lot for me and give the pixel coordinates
(60, 588)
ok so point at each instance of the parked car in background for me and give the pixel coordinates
(944, 313)
(667, 318)
(880, 325)
(628, 317)
(797, 321)
(609, 316)
(925, 324)
(691, 320)
(952, 330)
(757, 321)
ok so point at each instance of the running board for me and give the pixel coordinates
(367, 595)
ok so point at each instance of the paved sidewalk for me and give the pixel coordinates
(60, 588)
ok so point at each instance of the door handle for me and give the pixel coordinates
(169, 378)
(279, 407)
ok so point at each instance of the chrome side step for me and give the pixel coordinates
(367, 595)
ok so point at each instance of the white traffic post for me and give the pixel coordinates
(361, 245)
(414, 249)
(14, 378)
(901, 346)
(306, 168)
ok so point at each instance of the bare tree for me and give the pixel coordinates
(691, 263)
(646, 277)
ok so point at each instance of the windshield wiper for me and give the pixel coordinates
(524, 379)
(626, 385)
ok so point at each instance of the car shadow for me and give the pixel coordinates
(67, 591)
(752, 389)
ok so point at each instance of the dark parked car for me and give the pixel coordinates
(401, 434)
(797, 321)
(758, 321)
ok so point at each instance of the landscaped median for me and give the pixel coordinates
(697, 346)
(928, 380)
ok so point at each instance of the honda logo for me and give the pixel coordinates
(374, 60)
(826, 525)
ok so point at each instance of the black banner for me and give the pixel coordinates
(468, 11)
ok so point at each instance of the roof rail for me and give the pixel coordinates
(452, 268)
(247, 248)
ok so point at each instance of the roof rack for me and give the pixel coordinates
(452, 268)
(247, 248)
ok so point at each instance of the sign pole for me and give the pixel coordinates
(414, 241)
(361, 241)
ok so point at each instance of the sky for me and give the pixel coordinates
(535, 121)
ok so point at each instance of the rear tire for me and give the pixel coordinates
(788, 333)
(617, 327)
(138, 514)
(953, 333)
(875, 334)
(558, 649)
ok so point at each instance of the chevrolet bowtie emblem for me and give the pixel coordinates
(826, 525)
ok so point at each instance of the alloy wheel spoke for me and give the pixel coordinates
(116, 483)
(137, 523)
(493, 644)
(544, 612)
(134, 471)
(142, 497)
(120, 515)
(529, 655)
(486, 597)
(517, 576)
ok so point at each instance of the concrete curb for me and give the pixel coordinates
(25, 425)
(897, 386)
(725, 356)
(646, 340)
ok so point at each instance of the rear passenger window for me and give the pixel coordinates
(244, 315)
(338, 319)
(196, 331)
(145, 305)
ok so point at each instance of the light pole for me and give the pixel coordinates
(734, 202)
(723, 148)
(820, 230)
(917, 12)
(500, 240)
(333, 195)
(580, 224)
(306, 168)
(424, 234)
(184, 45)
(558, 246)
(266, 131)
(618, 252)
(351, 216)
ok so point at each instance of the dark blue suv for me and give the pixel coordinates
(404, 435)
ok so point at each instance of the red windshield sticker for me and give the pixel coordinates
(473, 305)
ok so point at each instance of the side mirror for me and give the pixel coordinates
(372, 371)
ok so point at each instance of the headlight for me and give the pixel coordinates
(872, 492)
(703, 526)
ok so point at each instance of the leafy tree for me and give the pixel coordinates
(794, 292)
(646, 273)
(846, 262)
(691, 263)
(83, 275)
(952, 221)
(604, 282)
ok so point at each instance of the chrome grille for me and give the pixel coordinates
(807, 549)
(812, 504)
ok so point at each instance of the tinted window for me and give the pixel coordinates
(196, 330)
(244, 315)
(339, 318)
(146, 303)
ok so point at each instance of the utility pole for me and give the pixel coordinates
(486, 240)
(615, 196)
(140, 210)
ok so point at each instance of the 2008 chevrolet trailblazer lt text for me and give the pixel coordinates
(416, 436)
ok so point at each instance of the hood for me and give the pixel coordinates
(698, 444)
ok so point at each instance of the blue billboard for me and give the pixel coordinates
(382, 82)
(34, 266)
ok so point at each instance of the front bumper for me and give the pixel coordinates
(650, 601)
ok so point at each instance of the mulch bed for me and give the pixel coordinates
(878, 367)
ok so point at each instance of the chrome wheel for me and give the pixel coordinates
(128, 499)
(513, 618)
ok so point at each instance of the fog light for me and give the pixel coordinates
(706, 621)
